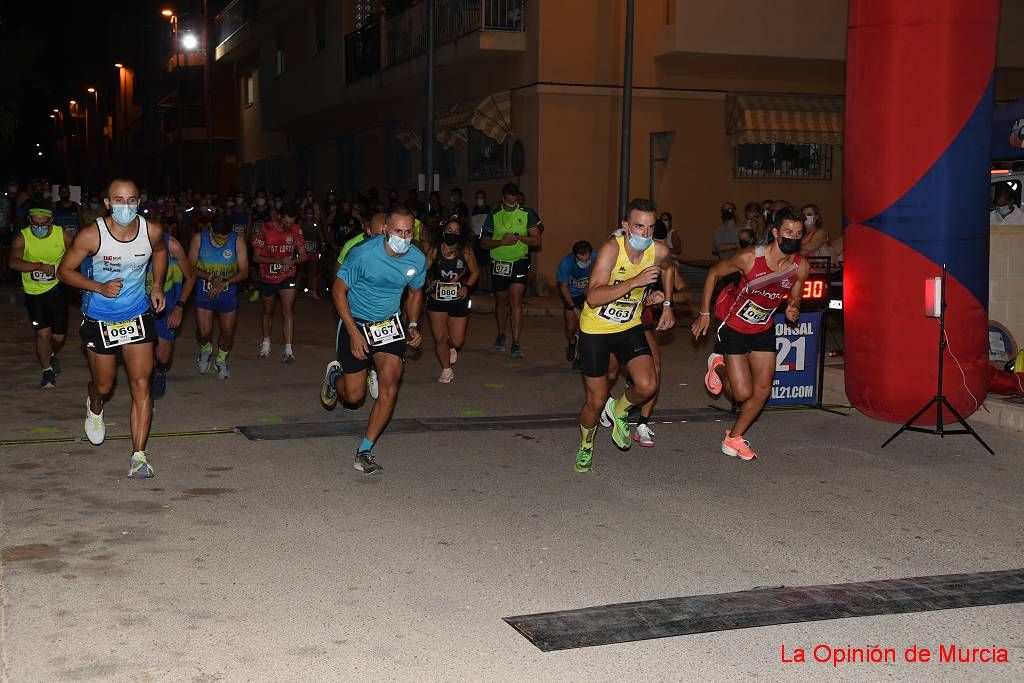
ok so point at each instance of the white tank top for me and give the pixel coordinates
(127, 261)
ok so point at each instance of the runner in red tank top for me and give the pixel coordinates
(744, 359)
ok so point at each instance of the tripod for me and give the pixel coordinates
(939, 400)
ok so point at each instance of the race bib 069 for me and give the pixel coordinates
(121, 333)
(503, 268)
(754, 314)
(384, 332)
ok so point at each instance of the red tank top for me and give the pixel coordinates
(275, 243)
(749, 307)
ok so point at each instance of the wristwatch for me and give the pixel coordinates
(413, 324)
(667, 303)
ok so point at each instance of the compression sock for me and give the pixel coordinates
(206, 348)
(621, 406)
(365, 446)
(222, 355)
(587, 435)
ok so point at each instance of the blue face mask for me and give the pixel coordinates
(123, 213)
(39, 231)
(640, 243)
(1004, 211)
(399, 245)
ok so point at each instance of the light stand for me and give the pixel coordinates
(939, 399)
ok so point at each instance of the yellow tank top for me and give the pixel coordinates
(48, 250)
(623, 313)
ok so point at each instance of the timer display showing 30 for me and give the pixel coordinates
(814, 289)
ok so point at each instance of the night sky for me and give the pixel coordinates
(51, 53)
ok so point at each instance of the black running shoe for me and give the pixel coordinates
(49, 380)
(366, 464)
(55, 364)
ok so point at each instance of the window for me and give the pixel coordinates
(784, 160)
(279, 54)
(365, 13)
(487, 158)
(249, 89)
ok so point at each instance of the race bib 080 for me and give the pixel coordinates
(121, 333)
(447, 291)
(384, 332)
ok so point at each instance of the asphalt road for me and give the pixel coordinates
(275, 560)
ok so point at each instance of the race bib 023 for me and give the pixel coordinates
(384, 332)
(447, 291)
(121, 333)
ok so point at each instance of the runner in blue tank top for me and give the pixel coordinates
(178, 285)
(117, 312)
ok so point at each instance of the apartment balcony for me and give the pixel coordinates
(462, 29)
(235, 30)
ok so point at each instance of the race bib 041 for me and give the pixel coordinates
(121, 333)
(384, 332)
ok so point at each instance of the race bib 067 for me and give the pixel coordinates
(384, 332)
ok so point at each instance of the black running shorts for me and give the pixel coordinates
(349, 363)
(49, 310)
(595, 349)
(729, 342)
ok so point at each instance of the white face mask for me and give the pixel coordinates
(398, 244)
(480, 201)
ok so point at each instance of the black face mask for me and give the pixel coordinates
(728, 214)
(451, 238)
(789, 245)
(744, 244)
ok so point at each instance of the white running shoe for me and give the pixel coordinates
(222, 370)
(95, 428)
(644, 436)
(373, 384)
(447, 375)
(203, 360)
(606, 413)
(265, 348)
(453, 356)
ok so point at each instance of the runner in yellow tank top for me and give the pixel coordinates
(626, 268)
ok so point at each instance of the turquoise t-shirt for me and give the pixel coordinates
(376, 279)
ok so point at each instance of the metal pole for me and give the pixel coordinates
(627, 111)
(177, 104)
(208, 100)
(650, 168)
(428, 139)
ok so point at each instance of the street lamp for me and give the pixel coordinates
(177, 93)
(189, 41)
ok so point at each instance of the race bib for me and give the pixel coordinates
(124, 332)
(619, 312)
(240, 229)
(40, 276)
(503, 268)
(447, 291)
(579, 282)
(276, 268)
(384, 332)
(754, 314)
(310, 246)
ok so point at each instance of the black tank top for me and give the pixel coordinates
(260, 216)
(449, 269)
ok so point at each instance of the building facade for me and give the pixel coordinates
(736, 100)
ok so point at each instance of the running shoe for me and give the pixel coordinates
(287, 357)
(373, 384)
(447, 375)
(222, 370)
(644, 436)
(95, 428)
(366, 464)
(254, 296)
(55, 364)
(606, 413)
(264, 349)
(499, 343)
(453, 356)
(49, 380)
(203, 360)
(584, 459)
(516, 352)
(711, 380)
(158, 387)
(328, 392)
(140, 467)
(570, 352)
(737, 447)
(620, 432)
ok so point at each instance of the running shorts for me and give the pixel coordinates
(595, 350)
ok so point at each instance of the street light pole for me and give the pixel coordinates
(207, 98)
(627, 111)
(428, 139)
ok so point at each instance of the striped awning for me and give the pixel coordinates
(493, 116)
(410, 139)
(800, 119)
(452, 129)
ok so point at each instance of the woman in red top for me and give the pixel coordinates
(277, 248)
(744, 359)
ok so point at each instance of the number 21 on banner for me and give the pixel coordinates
(783, 347)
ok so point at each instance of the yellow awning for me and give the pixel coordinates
(800, 119)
